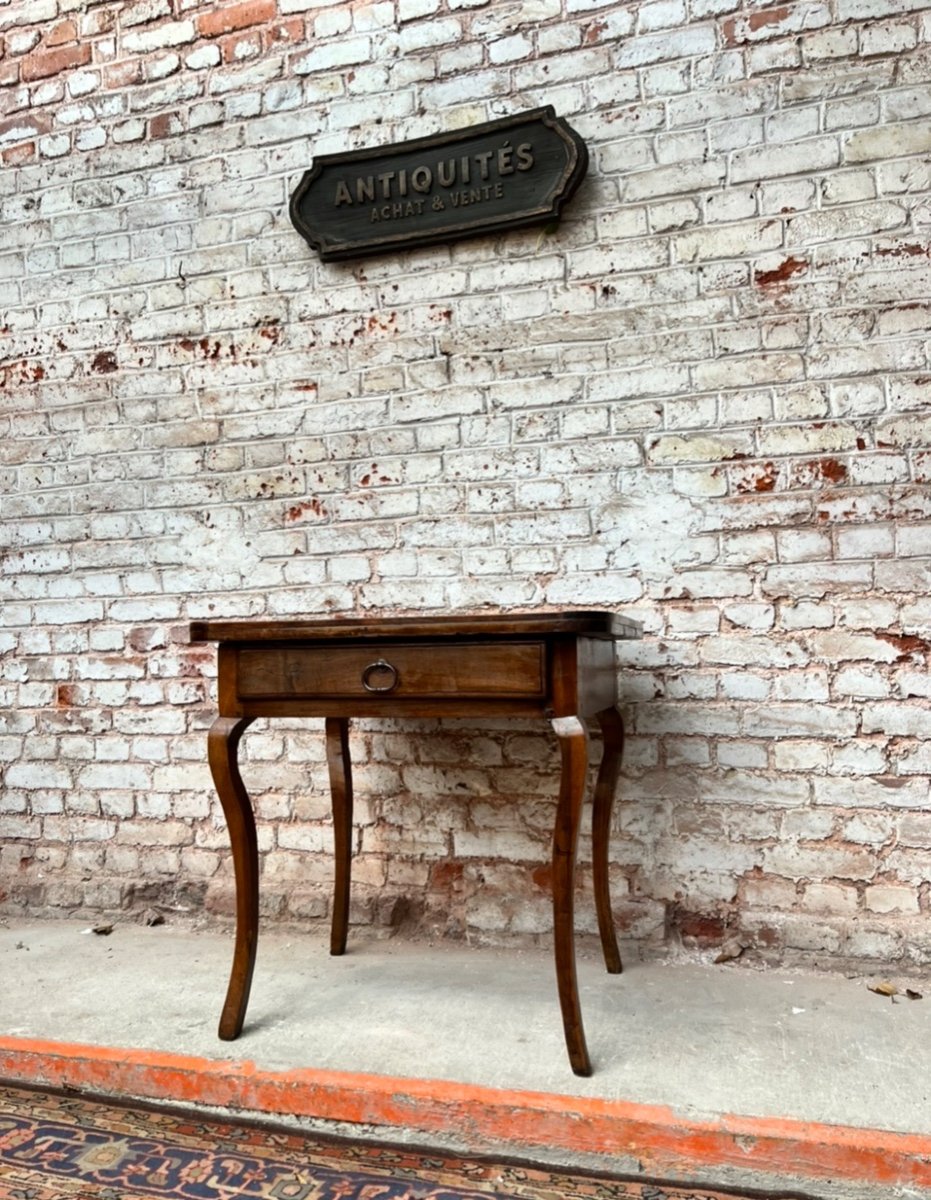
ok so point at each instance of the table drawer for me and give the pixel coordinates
(475, 669)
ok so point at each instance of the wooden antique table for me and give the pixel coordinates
(554, 665)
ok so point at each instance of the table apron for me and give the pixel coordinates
(540, 678)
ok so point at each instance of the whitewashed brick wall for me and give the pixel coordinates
(704, 400)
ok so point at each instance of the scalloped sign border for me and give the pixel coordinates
(483, 179)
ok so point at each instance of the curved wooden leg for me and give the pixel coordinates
(612, 731)
(573, 744)
(222, 749)
(337, 756)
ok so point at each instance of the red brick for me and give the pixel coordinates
(237, 16)
(164, 125)
(238, 48)
(29, 125)
(123, 74)
(17, 155)
(64, 31)
(41, 64)
(291, 30)
(743, 29)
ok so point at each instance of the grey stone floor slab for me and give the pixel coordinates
(705, 1040)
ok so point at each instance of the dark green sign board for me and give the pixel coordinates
(504, 174)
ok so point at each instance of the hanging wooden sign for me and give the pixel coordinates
(501, 175)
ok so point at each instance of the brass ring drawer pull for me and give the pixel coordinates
(380, 667)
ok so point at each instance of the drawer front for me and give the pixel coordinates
(476, 669)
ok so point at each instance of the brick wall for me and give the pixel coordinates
(703, 400)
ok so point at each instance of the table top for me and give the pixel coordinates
(582, 623)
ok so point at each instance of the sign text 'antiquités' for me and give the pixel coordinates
(501, 175)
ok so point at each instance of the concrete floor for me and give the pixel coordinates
(704, 1040)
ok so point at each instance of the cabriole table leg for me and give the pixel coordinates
(612, 730)
(337, 755)
(573, 744)
(222, 752)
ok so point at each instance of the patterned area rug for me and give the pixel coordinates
(70, 1148)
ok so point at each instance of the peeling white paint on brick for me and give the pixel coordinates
(702, 401)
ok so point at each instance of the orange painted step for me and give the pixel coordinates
(661, 1140)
